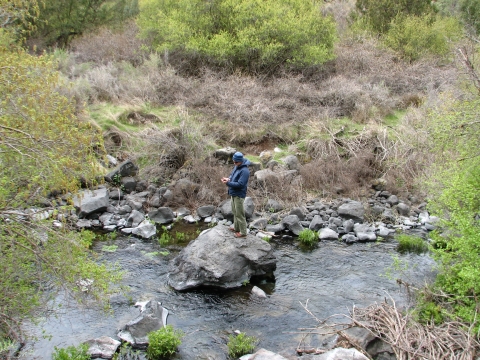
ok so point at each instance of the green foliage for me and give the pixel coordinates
(180, 236)
(5, 346)
(252, 35)
(109, 248)
(163, 342)
(410, 243)
(165, 238)
(16, 17)
(127, 353)
(61, 20)
(44, 148)
(416, 36)
(379, 14)
(240, 345)
(454, 187)
(308, 237)
(71, 353)
(470, 12)
(428, 312)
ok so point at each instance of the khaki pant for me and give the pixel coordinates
(239, 221)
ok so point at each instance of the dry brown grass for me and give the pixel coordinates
(364, 83)
(106, 45)
(408, 338)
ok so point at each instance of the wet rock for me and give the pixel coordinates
(259, 292)
(103, 347)
(152, 317)
(216, 258)
(145, 230)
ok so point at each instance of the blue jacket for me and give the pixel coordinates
(237, 186)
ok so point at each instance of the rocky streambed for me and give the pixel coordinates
(355, 263)
(332, 277)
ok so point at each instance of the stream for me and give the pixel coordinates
(332, 277)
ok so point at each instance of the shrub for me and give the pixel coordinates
(165, 238)
(249, 34)
(380, 13)
(470, 12)
(308, 237)
(409, 243)
(71, 353)
(428, 312)
(414, 37)
(163, 342)
(240, 345)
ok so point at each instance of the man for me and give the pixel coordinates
(237, 188)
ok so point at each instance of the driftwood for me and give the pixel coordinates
(409, 339)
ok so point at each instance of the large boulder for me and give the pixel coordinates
(352, 210)
(216, 258)
(91, 201)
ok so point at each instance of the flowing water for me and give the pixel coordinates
(331, 278)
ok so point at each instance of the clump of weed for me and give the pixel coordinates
(409, 243)
(71, 353)
(163, 342)
(240, 345)
(308, 237)
(165, 238)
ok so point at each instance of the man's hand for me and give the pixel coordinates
(225, 180)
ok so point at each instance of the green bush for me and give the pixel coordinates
(240, 345)
(414, 37)
(71, 353)
(380, 13)
(163, 342)
(470, 12)
(308, 237)
(165, 238)
(252, 35)
(455, 197)
(428, 312)
(409, 243)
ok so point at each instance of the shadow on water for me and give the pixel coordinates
(331, 277)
